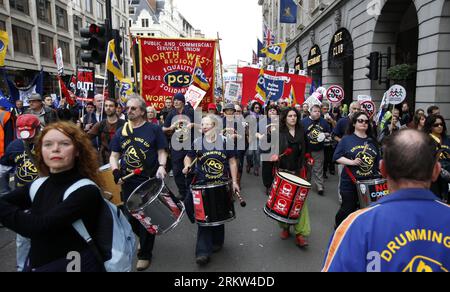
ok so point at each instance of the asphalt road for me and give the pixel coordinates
(252, 242)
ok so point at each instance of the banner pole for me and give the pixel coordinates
(104, 84)
(133, 55)
(221, 69)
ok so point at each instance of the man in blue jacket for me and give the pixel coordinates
(406, 231)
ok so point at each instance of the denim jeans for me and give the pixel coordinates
(207, 237)
(4, 184)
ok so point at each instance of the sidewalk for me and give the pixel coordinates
(7, 250)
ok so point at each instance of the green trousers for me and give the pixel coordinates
(303, 227)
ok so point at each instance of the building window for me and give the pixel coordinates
(88, 4)
(46, 45)
(2, 25)
(145, 22)
(1, 2)
(22, 40)
(21, 5)
(44, 11)
(78, 55)
(100, 10)
(77, 24)
(61, 18)
(65, 47)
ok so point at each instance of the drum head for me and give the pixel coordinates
(294, 179)
(374, 181)
(144, 194)
(211, 185)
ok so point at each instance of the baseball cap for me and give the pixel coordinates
(229, 106)
(26, 126)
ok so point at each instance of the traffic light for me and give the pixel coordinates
(373, 65)
(118, 44)
(95, 44)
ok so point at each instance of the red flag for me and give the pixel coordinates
(66, 93)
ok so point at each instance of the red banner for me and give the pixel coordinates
(250, 77)
(85, 82)
(167, 66)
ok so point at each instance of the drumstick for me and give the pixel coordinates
(287, 152)
(137, 171)
(241, 200)
(365, 148)
(194, 162)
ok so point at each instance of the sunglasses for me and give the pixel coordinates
(438, 125)
(362, 121)
(132, 108)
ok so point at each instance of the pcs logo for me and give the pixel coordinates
(421, 264)
(2, 46)
(178, 79)
(213, 167)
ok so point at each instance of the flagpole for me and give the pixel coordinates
(133, 55)
(221, 69)
(104, 84)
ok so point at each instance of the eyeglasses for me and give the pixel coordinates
(132, 108)
(362, 121)
(438, 125)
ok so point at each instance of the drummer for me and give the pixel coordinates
(316, 131)
(139, 145)
(292, 136)
(212, 147)
(358, 152)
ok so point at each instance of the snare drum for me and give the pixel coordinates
(110, 189)
(287, 197)
(155, 207)
(370, 191)
(213, 203)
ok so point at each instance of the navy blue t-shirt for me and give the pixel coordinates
(341, 127)
(353, 147)
(16, 156)
(149, 139)
(312, 131)
(213, 163)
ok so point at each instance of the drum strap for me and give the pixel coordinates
(350, 174)
(149, 171)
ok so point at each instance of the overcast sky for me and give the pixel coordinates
(238, 22)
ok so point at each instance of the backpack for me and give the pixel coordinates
(114, 239)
